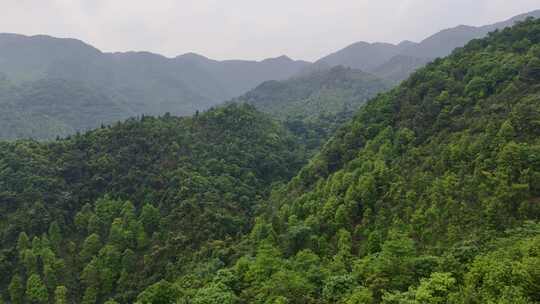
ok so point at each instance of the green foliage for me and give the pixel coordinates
(90, 247)
(16, 290)
(424, 197)
(337, 288)
(85, 200)
(360, 295)
(429, 195)
(23, 242)
(90, 295)
(436, 289)
(36, 291)
(150, 218)
(215, 294)
(161, 292)
(61, 295)
(511, 272)
(313, 106)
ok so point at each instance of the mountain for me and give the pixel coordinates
(315, 104)
(429, 195)
(137, 82)
(319, 93)
(238, 76)
(111, 211)
(397, 62)
(363, 55)
(55, 107)
(399, 67)
(444, 42)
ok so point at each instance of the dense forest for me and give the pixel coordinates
(315, 105)
(429, 194)
(106, 213)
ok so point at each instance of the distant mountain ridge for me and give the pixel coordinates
(326, 92)
(69, 75)
(154, 84)
(397, 62)
(314, 105)
(38, 69)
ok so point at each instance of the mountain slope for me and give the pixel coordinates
(311, 95)
(430, 195)
(116, 209)
(399, 67)
(443, 43)
(363, 55)
(314, 105)
(143, 83)
(397, 62)
(55, 107)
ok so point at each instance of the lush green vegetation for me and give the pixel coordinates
(430, 195)
(315, 105)
(104, 214)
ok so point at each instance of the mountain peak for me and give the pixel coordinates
(192, 56)
(43, 41)
(282, 58)
(406, 43)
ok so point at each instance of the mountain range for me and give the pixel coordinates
(397, 62)
(148, 83)
(52, 87)
(428, 194)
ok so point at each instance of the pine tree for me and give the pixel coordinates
(36, 291)
(16, 290)
(61, 295)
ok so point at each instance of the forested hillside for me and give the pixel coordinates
(104, 214)
(430, 195)
(314, 105)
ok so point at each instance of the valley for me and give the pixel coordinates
(379, 174)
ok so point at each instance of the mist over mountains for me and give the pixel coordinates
(184, 83)
(55, 87)
(397, 62)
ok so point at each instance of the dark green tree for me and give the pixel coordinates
(36, 291)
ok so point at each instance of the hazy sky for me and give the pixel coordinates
(247, 29)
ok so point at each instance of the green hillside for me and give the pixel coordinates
(430, 195)
(315, 105)
(109, 212)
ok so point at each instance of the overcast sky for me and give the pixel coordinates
(247, 29)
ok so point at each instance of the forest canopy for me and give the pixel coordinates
(429, 194)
